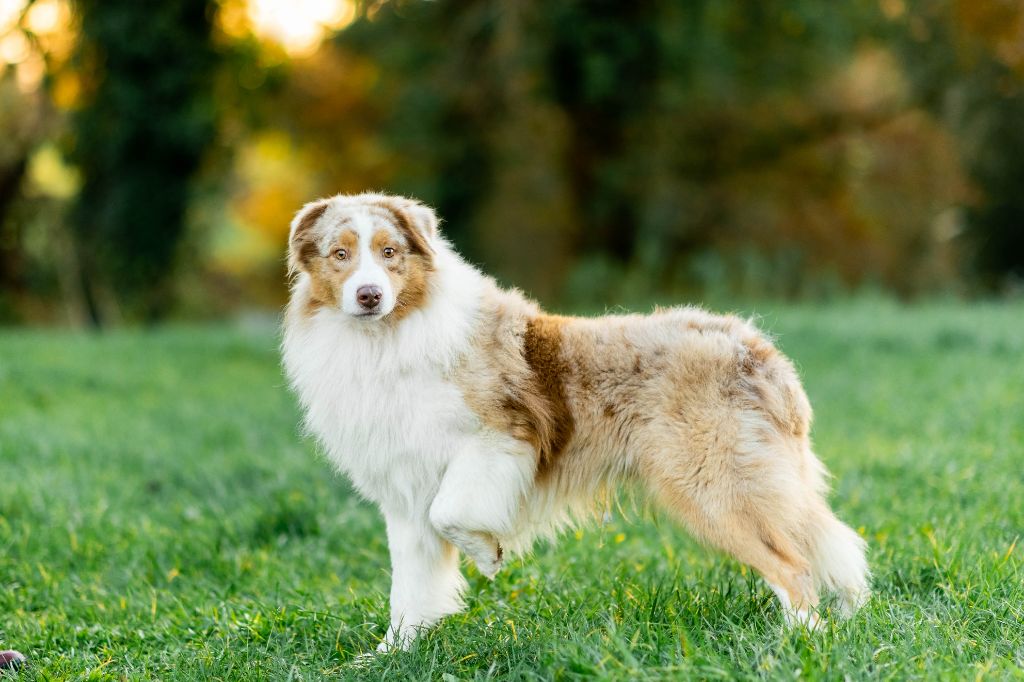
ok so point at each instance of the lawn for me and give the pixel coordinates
(161, 518)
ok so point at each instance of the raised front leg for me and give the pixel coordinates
(478, 502)
(426, 583)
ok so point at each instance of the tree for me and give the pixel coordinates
(138, 142)
(965, 64)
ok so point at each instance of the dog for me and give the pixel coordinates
(477, 422)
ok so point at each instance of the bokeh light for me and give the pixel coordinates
(299, 25)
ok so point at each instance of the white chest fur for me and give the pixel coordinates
(379, 400)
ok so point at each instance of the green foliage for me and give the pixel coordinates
(960, 70)
(138, 142)
(659, 136)
(161, 518)
(723, 147)
(996, 224)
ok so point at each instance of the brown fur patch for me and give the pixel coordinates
(327, 275)
(548, 408)
(524, 353)
(770, 380)
(410, 270)
(415, 287)
(382, 239)
(759, 352)
(303, 243)
(417, 241)
(348, 240)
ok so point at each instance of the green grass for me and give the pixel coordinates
(161, 518)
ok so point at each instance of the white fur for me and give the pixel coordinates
(807, 618)
(368, 271)
(840, 564)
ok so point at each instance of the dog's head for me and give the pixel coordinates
(369, 255)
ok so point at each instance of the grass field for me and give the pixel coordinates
(160, 518)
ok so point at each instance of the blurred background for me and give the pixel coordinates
(592, 153)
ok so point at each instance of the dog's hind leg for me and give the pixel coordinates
(479, 500)
(753, 506)
(753, 538)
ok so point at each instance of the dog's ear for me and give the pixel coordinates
(302, 237)
(417, 220)
(423, 217)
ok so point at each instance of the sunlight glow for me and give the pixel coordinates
(10, 12)
(299, 25)
(31, 33)
(46, 16)
(30, 72)
(14, 48)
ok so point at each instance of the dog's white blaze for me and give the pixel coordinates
(369, 272)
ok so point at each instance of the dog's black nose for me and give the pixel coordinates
(369, 296)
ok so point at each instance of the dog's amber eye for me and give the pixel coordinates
(341, 254)
(389, 252)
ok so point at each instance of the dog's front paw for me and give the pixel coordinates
(365, 659)
(490, 564)
(393, 641)
(399, 639)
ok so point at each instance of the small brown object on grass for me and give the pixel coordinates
(11, 660)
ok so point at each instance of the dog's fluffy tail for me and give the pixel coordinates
(838, 561)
